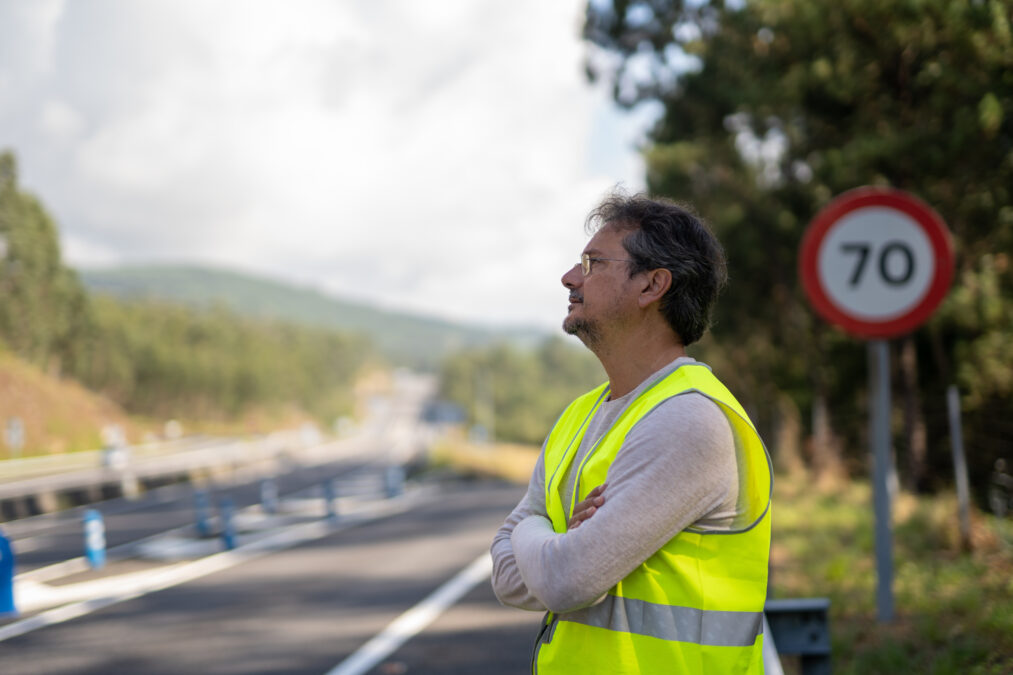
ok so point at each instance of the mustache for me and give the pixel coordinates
(574, 297)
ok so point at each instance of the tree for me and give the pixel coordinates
(526, 389)
(770, 108)
(44, 306)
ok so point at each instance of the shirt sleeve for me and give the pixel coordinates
(676, 466)
(507, 583)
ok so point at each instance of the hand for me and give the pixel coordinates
(587, 508)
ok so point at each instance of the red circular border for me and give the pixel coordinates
(859, 198)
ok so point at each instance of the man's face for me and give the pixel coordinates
(599, 301)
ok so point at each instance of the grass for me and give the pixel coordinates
(512, 462)
(953, 609)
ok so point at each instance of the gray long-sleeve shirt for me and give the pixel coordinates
(676, 469)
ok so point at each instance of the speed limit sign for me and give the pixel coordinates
(876, 262)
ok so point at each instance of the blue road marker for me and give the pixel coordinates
(202, 507)
(228, 524)
(94, 539)
(331, 498)
(394, 481)
(269, 496)
(7, 607)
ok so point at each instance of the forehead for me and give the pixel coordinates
(607, 240)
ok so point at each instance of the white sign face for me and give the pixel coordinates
(876, 263)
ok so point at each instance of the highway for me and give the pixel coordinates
(307, 608)
(396, 582)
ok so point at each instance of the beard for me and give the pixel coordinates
(587, 330)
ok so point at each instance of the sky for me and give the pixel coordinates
(435, 157)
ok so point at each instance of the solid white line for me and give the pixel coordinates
(415, 619)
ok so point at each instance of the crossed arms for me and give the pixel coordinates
(676, 468)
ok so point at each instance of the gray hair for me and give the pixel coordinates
(663, 234)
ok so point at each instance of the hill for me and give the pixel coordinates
(58, 415)
(404, 338)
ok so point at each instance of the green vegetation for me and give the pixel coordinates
(954, 609)
(170, 361)
(787, 103)
(43, 305)
(515, 393)
(403, 338)
(154, 359)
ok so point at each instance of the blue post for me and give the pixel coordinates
(94, 539)
(228, 525)
(331, 498)
(394, 481)
(202, 507)
(269, 496)
(7, 607)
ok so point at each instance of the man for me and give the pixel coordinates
(645, 530)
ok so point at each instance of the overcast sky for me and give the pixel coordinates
(434, 156)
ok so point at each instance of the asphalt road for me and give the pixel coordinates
(305, 609)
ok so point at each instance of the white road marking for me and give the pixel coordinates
(415, 619)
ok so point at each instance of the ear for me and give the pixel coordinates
(656, 284)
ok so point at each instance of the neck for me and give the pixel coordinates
(632, 358)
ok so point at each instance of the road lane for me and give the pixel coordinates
(302, 610)
(477, 636)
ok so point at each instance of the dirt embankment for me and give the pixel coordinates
(57, 415)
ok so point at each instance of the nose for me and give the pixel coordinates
(573, 277)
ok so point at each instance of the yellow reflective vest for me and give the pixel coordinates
(696, 605)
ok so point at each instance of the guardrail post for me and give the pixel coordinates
(130, 487)
(7, 607)
(800, 626)
(394, 481)
(228, 509)
(269, 496)
(331, 498)
(202, 508)
(94, 539)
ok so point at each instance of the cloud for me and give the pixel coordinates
(437, 157)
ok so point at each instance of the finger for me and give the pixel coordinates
(590, 501)
(578, 519)
(587, 507)
(595, 497)
(583, 510)
(581, 516)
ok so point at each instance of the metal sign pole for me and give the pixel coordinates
(959, 464)
(877, 262)
(879, 439)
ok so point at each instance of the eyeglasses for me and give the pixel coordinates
(586, 260)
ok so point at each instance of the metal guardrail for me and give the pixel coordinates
(36, 493)
(27, 467)
(138, 468)
(798, 627)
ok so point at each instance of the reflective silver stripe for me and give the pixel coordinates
(671, 622)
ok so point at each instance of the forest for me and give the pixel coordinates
(155, 359)
(767, 110)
